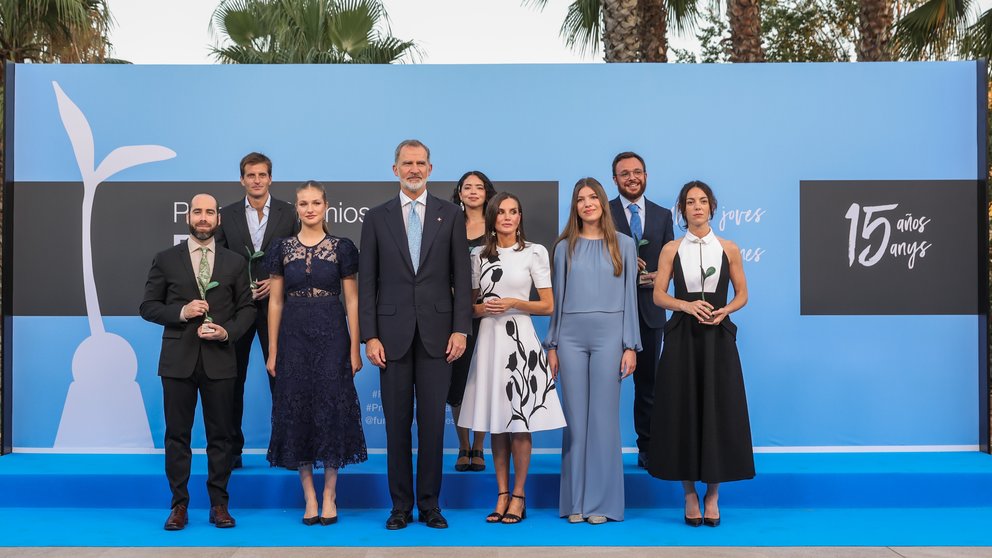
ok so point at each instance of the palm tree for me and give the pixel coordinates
(745, 31)
(630, 30)
(874, 30)
(938, 29)
(306, 32)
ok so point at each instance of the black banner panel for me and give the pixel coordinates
(889, 247)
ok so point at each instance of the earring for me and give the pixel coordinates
(492, 234)
(461, 205)
(518, 233)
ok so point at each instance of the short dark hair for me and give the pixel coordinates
(255, 158)
(627, 155)
(486, 183)
(411, 143)
(685, 192)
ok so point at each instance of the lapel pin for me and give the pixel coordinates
(438, 219)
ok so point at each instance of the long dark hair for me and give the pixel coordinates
(323, 194)
(684, 193)
(489, 249)
(573, 227)
(486, 183)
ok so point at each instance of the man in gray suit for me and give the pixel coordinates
(415, 312)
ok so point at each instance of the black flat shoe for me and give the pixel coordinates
(711, 521)
(308, 521)
(433, 519)
(476, 467)
(512, 518)
(693, 521)
(325, 521)
(460, 467)
(496, 517)
(398, 520)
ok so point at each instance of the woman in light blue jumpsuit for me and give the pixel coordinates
(592, 342)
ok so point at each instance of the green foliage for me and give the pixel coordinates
(791, 31)
(306, 32)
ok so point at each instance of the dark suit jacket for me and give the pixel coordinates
(392, 301)
(658, 232)
(233, 231)
(171, 284)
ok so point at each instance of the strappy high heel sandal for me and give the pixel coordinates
(496, 517)
(512, 518)
(473, 466)
(460, 467)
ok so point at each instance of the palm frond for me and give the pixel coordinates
(582, 29)
(931, 29)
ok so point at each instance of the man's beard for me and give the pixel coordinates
(202, 235)
(413, 187)
(640, 192)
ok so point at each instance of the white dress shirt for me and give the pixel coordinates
(256, 226)
(421, 208)
(640, 206)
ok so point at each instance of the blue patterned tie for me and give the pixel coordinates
(414, 230)
(636, 229)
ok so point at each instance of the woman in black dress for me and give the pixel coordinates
(472, 194)
(700, 429)
(314, 354)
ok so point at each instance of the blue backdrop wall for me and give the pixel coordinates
(815, 380)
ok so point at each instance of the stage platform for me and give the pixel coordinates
(887, 499)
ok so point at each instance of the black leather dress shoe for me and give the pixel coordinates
(642, 459)
(433, 519)
(398, 520)
(177, 519)
(220, 517)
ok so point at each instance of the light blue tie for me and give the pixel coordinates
(414, 230)
(636, 229)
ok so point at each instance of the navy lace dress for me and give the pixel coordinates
(316, 417)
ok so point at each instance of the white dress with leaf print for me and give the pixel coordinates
(509, 386)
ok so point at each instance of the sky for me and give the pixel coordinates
(447, 31)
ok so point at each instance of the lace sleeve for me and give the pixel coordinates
(347, 257)
(274, 258)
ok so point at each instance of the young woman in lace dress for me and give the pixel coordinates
(314, 354)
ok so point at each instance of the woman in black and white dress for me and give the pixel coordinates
(700, 429)
(510, 390)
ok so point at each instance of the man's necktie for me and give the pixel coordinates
(636, 229)
(414, 230)
(203, 275)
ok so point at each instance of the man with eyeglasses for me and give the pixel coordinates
(248, 227)
(651, 227)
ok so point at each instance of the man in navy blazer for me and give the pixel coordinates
(415, 312)
(249, 225)
(198, 353)
(655, 230)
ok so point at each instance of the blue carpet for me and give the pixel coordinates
(362, 528)
(898, 499)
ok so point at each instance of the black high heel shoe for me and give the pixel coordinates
(711, 522)
(325, 521)
(693, 521)
(476, 467)
(496, 517)
(460, 467)
(512, 518)
(308, 521)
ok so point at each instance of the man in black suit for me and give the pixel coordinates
(200, 293)
(248, 226)
(415, 313)
(650, 225)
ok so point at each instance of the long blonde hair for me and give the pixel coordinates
(573, 227)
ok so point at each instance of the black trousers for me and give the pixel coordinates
(179, 396)
(415, 375)
(242, 349)
(644, 374)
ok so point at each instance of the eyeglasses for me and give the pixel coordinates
(636, 173)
